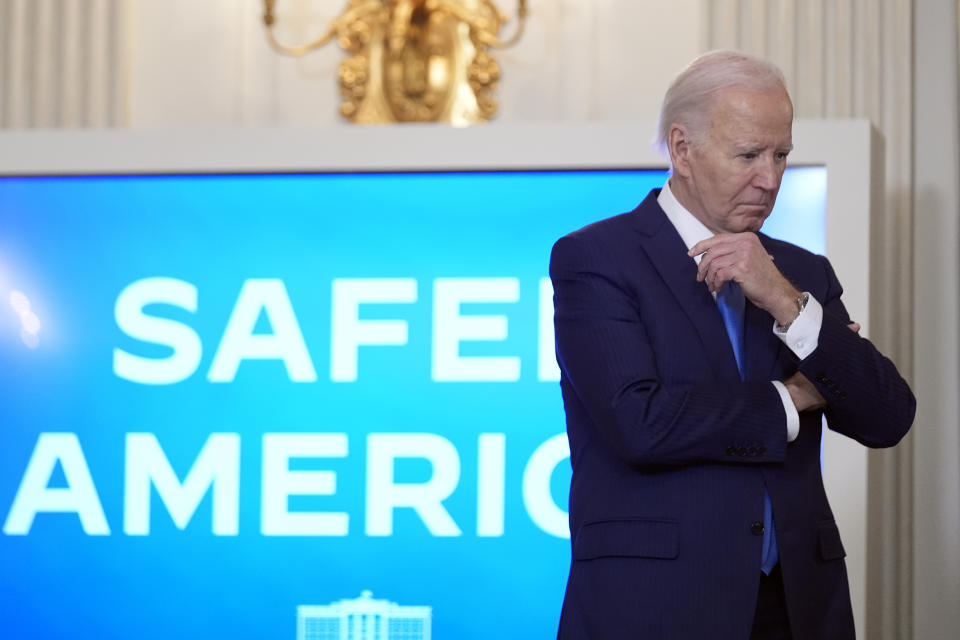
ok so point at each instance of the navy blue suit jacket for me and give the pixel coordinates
(671, 449)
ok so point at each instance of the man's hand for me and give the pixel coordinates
(804, 395)
(740, 257)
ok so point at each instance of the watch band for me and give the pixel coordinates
(801, 301)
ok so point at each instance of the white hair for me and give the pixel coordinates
(690, 97)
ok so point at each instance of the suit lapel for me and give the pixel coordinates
(668, 254)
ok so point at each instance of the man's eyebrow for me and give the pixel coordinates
(757, 148)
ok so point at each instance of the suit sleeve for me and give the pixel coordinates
(610, 373)
(867, 399)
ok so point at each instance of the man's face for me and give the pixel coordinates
(731, 178)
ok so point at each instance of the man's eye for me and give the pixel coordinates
(748, 156)
(781, 156)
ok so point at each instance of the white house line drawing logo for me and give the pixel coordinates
(363, 618)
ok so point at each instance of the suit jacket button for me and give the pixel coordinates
(757, 528)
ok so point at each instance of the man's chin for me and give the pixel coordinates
(753, 220)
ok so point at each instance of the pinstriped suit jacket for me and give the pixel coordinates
(671, 450)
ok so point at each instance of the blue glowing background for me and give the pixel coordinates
(71, 244)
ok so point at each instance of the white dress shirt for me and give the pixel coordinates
(802, 334)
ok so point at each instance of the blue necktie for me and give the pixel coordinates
(731, 303)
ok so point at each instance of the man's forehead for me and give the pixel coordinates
(742, 99)
(751, 117)
(752, 139)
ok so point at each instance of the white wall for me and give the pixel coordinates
(936, 515)
(208, 63)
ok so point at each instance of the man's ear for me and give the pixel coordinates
(678, 144)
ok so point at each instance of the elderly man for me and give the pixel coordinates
(698, 357)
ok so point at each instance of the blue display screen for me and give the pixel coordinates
(293, 406)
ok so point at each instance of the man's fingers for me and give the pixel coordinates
(719, 271)
(704, 245)
(719, 279)
(854, 326)
(804, 395)
(735, 256)
(719, 239)
(709, 259)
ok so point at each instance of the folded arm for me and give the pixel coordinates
(859, 389)
(865, 396)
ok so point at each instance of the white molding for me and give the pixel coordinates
(400, 148)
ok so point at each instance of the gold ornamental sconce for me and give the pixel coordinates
(414, 60)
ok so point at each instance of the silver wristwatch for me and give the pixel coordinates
(802, 300)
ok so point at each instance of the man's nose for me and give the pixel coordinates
(767, 175)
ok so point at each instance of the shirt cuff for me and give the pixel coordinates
(804, 332)
(793, 417)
